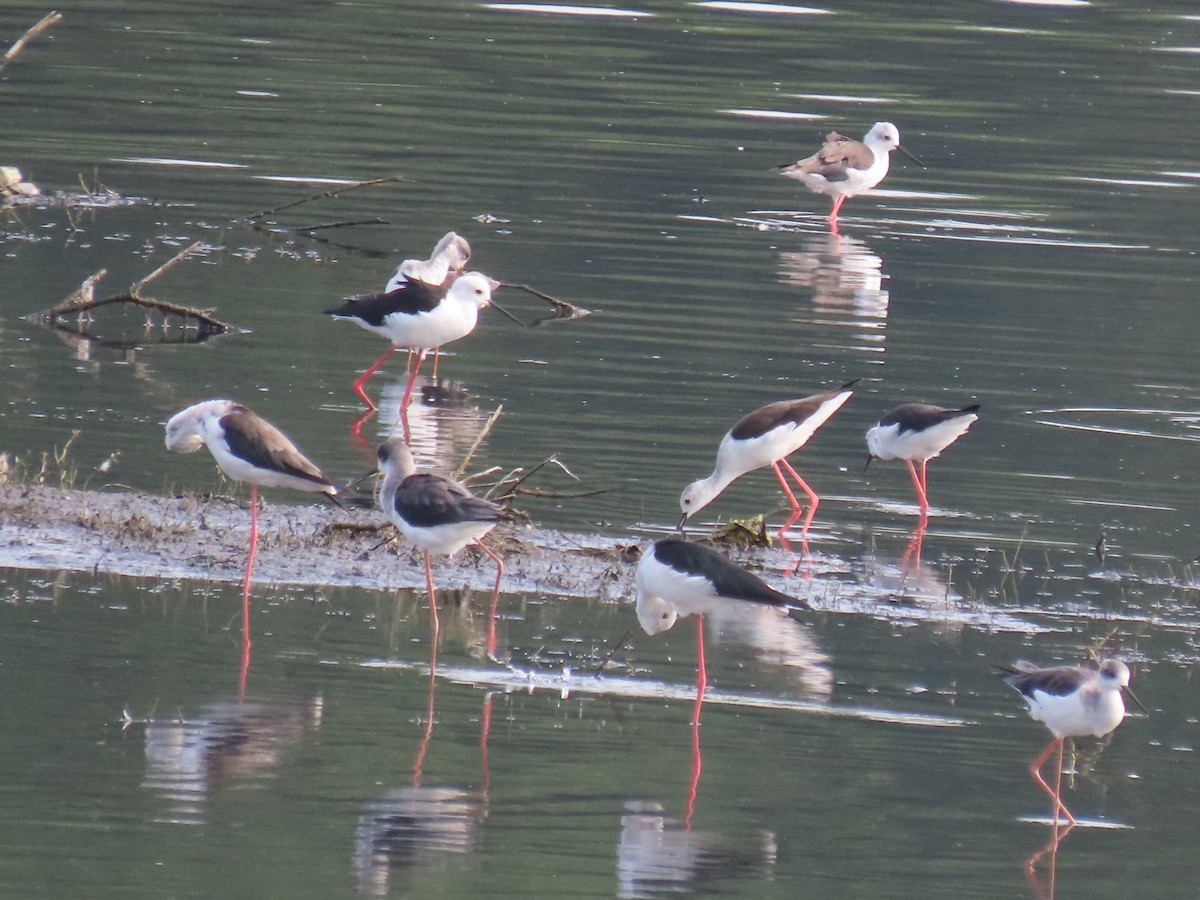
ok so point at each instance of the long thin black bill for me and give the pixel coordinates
(504, 311)
(1133, 697)
(913, 158)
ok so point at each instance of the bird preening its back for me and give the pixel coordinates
(246, 446)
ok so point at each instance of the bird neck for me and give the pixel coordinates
(706, 490)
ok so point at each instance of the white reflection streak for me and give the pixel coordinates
(560, 10)
(228, 741)
(657, 856)
(443, 420)
(566, 682)
(411, 827)
(778, 640)
(846, 279)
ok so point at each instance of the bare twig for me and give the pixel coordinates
(487, 427)
(554, 495)
(308, 229)
(83, 298)
(136, 288)
(566, 310)
(333, 192)
(47, 20)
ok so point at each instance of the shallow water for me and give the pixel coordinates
(1041, 265)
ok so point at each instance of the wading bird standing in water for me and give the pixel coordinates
(1071, 701)
(247, 448)
(438, 515)
(844, 167)
(766, 437)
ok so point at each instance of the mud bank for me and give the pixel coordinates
(148, 536)
(143, 535)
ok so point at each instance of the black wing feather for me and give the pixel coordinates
(261, 444)
(920, 416)
(425, 500)
(412, 297)
(728, 578)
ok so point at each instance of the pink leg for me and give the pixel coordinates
(701, 669)
(1036, 771)
(787, 490)
(437, 354)
(697, 765)
(491, 638)
(813, 500)
(408, 389)
(249, 565)
(362, 379)
(833, 215)
(434, 624)
(925, 483)
(918, 483)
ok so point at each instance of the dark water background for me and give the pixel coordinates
(1042, 265)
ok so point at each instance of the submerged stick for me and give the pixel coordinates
(47, 20)
(567, 310)
(309, 229)
(333, 192)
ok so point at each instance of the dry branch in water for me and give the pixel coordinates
(83, 299)
(47, 20)
(563, 309)
(255, 220)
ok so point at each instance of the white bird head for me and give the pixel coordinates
(654, 614)
(1114, 674)
(697, 495)
(186, 430)
(473, 287)
(883, 136)
(395, 460)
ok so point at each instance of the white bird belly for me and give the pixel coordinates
(426, 330)
(445, 539)
(888, 442)
(1067, 715)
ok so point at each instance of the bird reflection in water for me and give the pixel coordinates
(656, 856)
(443, 419)
(420, 826)
(1043, 886)
(774, 639)
(226, 743)
(846, 279)
(675, 579)
(908, 578)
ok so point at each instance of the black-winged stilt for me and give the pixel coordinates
(445, 264)
(676, 578)
(1071, 701)
(844, 167)
(421, 317)
(447, 261)
(438, 515)
(247, 448)
(766, 437)
(916, 433)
